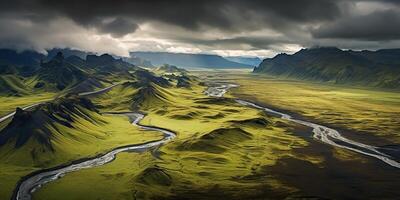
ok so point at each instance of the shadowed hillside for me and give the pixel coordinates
(328, 64)
(25, 58)
(44, 125)
(107, 63)
(60, 73)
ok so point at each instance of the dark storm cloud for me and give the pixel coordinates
(252, 43)
(184, 13)
(199, 24)
(117, 27)
(382, 25)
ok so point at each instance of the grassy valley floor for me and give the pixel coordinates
(365, 111)
(225, 150)
(220, 145)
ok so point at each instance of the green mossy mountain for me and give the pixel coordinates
(171, 69)
(145, 77)
(329, 64)
(148, 95)
(107, 63)
(43, 123)
(60, 73)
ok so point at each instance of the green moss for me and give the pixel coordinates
(210, 156)
(222, 149)
(84, 139)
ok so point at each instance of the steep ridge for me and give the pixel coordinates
(150, 95)
(46, 122)
(178, 76)
(107, 63)
(60, 73)
(144, 90)
(145, 77)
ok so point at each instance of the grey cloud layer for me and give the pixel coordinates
(382, 25)
(302, 22)
(189, 14)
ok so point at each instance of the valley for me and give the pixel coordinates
(200, 100)
(230, 158)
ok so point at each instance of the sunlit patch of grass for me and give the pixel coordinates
(8, 104)
(118, 99)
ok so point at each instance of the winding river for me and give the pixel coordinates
(29, 185)
(322, 133)
(327, 135)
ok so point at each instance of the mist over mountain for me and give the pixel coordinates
(67, 52)
(379, 68)
(59, 72)
(11, 57)
(190, 60)
(138, 61)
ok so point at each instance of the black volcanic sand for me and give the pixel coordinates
(334, 178)
(337, 179)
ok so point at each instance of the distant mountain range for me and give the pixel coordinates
(25, 58)
(379, 68)
(25, 72)
(254, 61)
(32, 59)
(190, 60)
(28, 61)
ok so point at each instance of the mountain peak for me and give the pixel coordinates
(59, 56)
(102, 59)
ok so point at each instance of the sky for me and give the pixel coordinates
(260, 28)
